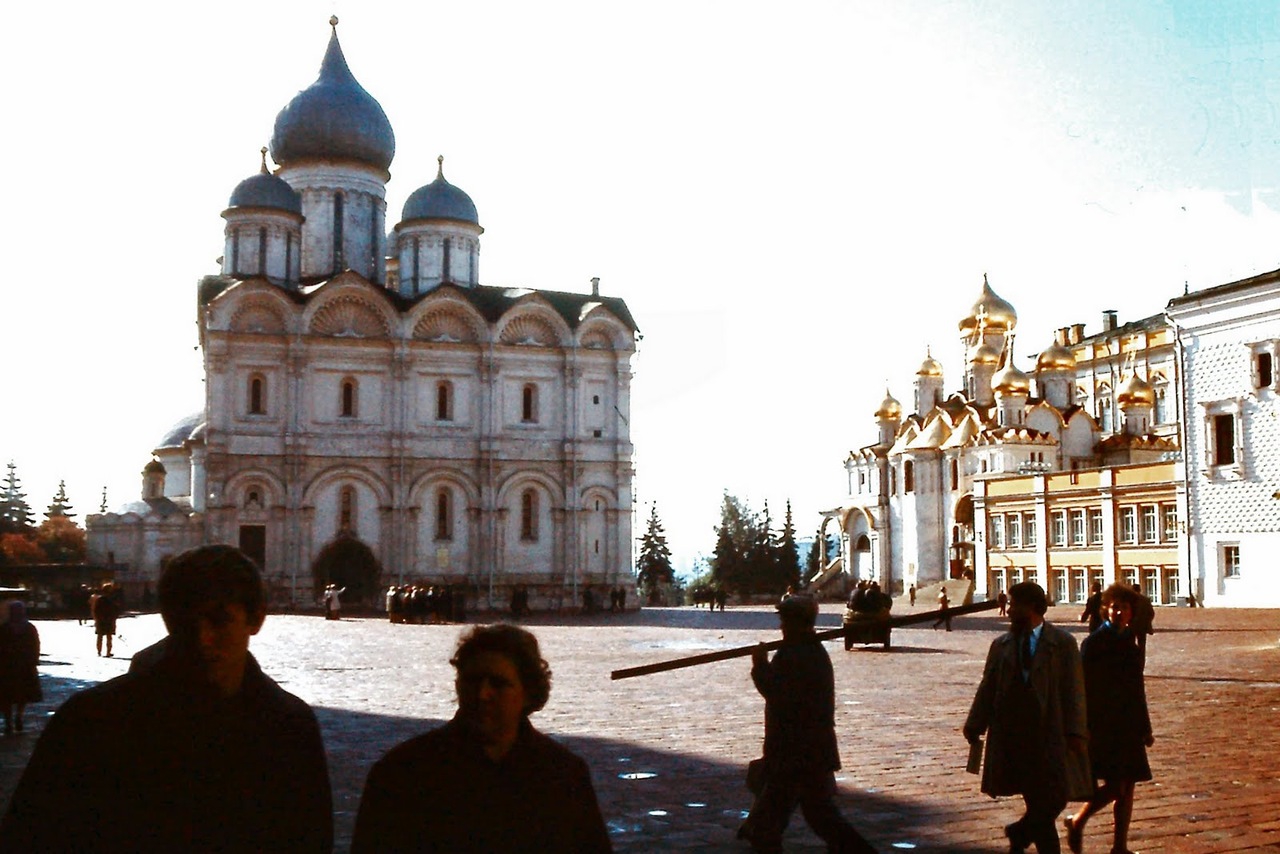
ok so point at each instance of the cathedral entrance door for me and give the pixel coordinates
(349, 563)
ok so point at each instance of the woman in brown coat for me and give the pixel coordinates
(19, 655)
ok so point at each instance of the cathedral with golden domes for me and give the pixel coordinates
(375, 414)
(1046, 476)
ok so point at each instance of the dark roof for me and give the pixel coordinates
(334, 117)
(1217, 290)
(265, 190)
(494, 302)
(1155, 321)
(181, 431)
(440, 200)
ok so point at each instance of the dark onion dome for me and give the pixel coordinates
(265, 190)
(176, 435)
(334, 118)
(440, 200)
(153, 467)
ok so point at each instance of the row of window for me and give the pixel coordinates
(1160, 584)
(348, 404)
(444, 513)
(1081, 527)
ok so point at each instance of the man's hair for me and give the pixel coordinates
(798, 608)
(1031, 594)
(1120, 592)
(518, 646)
(209, 575)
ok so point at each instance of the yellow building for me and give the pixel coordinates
(1067, 530)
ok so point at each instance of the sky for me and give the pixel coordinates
(795, 200)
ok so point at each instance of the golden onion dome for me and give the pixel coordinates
(1135, 390)
(991, 311)
(889, 409)
(985, 354)
(930, 367)
(1055, 358)
(1010, 380)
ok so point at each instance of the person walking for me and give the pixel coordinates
(944, 606)
(1031, 703)
(800, 754)
(333, 602)
(19, 657)
(105, 610)
(1092, 612)
(1119, 723)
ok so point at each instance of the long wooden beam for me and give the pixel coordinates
(829, 634)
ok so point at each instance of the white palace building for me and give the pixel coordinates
(374, 414)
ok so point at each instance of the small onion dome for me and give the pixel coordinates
(265, 190)
(1056, 358)
(985, 354)
(334, 118)
(995, 314)
(889, 408)
(930, 367)
(1010, 380)
(1135, 390)
(153, 467)
(440, 200)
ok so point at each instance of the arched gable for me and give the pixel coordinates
(600, 329)
(607, 497)
(532, 322)
(252, 306)
(237, 485)
(518, 480)
(348, 314)
(336, 474)
(446, 318)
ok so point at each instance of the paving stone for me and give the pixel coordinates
(668, 752)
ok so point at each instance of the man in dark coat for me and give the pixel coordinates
(800, 754)
(1031, 702)
(197, 750)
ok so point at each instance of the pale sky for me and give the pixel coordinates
(794, 199)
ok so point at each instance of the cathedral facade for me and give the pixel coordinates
(930, 499)
(374, 414)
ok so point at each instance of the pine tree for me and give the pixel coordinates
(15, 512)
(653, 567)
(60, 507)
(788, 558)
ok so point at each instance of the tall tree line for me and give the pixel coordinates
(750, 556)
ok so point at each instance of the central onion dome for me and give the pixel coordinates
(440, 200)
(985, 354)
(1056, 358)
(889, 408)
(265, 190)
(1135, 390)
(991, 311)
(334, 118)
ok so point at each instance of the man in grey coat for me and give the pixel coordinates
(1031, 702)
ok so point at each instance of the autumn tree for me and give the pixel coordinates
(653, 567)
(61, 540)
(20, 549)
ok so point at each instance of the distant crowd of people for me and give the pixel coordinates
(715, 598)
(411, 603)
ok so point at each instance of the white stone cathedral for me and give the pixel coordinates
(374, 414)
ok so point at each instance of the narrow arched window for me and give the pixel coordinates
(262, 252)
(348, 398)
(347, 510)
(955, 474)
(445, 273)
(444, 515)
(529, 516)
(257, 396)
(908, 476)
(444, 401)
(529, 404)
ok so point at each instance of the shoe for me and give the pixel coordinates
(1075, 834)
(1017, 844)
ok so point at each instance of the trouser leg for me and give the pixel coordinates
(822, 814)
(771, 814)
(1040, 824)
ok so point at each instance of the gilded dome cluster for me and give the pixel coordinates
(1010, 380)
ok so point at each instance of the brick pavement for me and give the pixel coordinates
(668, 751)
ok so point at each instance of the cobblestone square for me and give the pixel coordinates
(668, 751)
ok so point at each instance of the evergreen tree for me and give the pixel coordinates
(15, 512)
(653, 567)
(60, 507)
(788, 557)
(726, 562)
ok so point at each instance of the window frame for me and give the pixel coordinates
(1229, 557)
(1058, 529)
(1127, 525)
(1079, 531)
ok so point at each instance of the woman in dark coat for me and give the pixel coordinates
(1119, 725)
(19, 655)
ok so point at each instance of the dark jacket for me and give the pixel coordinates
(798, 687)
(1119, 723)
(158, 761)
(19, 660)
(1057, 680)
(440, 792)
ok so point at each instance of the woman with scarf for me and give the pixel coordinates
(19, 655)
(1119, 725)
